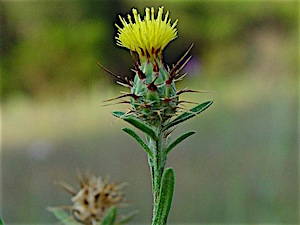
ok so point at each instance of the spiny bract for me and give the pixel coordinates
(154, 95)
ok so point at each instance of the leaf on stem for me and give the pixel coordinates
(139, 140)
(178, 140)
(1, 223)
(138, 124)
(110, 217)
(118, 114)
(187, 115)
(62, 216)
(165, 197)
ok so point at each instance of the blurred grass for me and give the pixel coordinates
(240, 167)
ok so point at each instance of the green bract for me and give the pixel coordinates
(154, 95)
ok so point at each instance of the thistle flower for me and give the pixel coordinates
(153, 95)
(148, 36)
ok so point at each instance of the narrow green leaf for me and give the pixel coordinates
(165, 198)
(1, 223)
(138, 124)
(118, 114)
(187, 115)
(139, 140)
(178, 140)
(110, 217)
(141, 126)
(63, 217)
(127, 218)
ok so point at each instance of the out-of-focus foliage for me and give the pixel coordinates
(51, 48)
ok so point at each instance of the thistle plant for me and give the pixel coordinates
(155, 107)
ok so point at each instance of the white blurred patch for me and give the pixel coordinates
(39, 149)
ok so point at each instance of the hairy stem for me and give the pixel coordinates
(157, 166)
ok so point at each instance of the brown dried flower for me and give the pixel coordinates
(95, 197)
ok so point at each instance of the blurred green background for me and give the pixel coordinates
(240, 167)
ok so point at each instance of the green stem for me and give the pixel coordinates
(157, 166)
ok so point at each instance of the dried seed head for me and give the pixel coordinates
(91, 203)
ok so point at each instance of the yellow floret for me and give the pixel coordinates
(149, 34)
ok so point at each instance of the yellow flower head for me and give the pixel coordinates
(147, 35)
